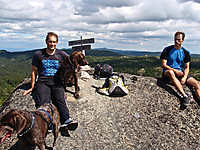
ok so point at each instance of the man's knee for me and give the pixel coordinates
(193, 82)
(169, 73)
(197, 85)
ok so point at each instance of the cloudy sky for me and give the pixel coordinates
(145, 25)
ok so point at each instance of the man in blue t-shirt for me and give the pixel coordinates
(172, 58)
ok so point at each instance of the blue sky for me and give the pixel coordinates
(144, 25)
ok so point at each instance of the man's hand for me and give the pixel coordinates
(29, 91)
(178, 73)
(183, 80)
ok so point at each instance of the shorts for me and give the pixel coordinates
(179, 78)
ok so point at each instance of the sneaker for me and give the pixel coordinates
(186, 101)
(64, 132)
(70, 124)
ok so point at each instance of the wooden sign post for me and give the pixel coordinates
(81, 42)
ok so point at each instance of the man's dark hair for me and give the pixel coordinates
(51, 34)
(180, 32)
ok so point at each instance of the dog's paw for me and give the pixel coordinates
(76, 95)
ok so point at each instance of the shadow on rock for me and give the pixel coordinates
(165, 84)
(17, 146)
(193, 94)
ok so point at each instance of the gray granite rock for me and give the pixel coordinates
(149, 117)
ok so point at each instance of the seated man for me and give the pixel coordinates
(172, 58)
(49, 88)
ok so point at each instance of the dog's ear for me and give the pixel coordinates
(75, 58)
(7, 118)
(19, 122)
(80, 58)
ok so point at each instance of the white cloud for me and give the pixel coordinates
(122, 24)
(87, 7)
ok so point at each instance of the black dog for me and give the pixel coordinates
(69, 69)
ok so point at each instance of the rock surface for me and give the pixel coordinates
(149, 117)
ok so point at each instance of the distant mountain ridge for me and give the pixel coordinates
(137, 53)
(129, 52)
(95, 52)
(30, 53)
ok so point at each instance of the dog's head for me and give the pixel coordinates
(10, 122)
(78, 59)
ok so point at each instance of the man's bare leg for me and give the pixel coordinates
(175, 81)
(196, 84)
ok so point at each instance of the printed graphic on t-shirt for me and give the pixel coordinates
(50, 67)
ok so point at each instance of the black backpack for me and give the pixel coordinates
(103, 70)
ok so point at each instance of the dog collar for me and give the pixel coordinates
(30, 127)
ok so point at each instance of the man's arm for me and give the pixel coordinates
(33, 78)
(186, 72)
(166, 67)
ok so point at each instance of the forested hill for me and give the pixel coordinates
(133, 53)
(15, 66)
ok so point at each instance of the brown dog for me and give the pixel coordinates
(31, 127)
(69, 69)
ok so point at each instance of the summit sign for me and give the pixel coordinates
(81, 43)
(84, 41)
